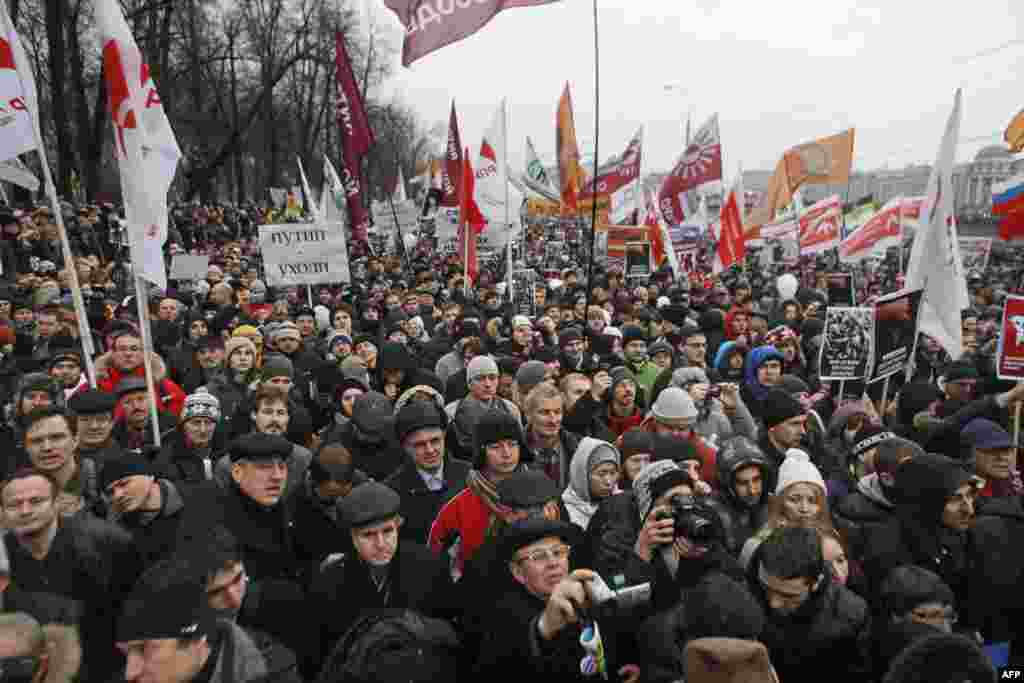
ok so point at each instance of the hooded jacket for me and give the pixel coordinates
(997, 605)
(752, 390)
(721, 362)
(155, 534)
(577, 496)
(171, 397)
(240, 659)
(916, 534)
(740, 519)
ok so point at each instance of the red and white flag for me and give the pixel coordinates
(146, 150)
(620, 172)
(732, 246)
(492, 173)
(432, 24)
(820, 225)
(356, 139)
(700, 163)
(19, 125)
(935, 263)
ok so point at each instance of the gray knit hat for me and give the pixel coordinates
(673, 404)
(530, 374)
(480, 367)
(645, 480)
(683, 377)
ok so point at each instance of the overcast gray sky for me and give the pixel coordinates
(778, 73)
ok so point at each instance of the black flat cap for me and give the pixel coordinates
(527, 488)
(92, 402)
(129, 385)
(527, 531)
(369, 503)
(257, 446)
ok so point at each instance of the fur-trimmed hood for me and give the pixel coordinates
(105, 364)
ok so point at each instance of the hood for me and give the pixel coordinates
(735, 454)
(723, 353)
(871, 488)
(755, 360)
(579, 468)
(923, 485)
(730, 332)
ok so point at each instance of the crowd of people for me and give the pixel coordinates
(409, 478)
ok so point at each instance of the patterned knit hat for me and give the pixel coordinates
(200, 404)
(234, 344)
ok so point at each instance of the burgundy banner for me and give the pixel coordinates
(432, 24)
(700, 163)
(620, 173)
(451, 171)
(356, 140)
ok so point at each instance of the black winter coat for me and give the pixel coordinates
(996, 603)
(318, 529)
(420, 505)
(378, 460)
(830, 632)
(344, 590)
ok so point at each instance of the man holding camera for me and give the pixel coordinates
(540, 619)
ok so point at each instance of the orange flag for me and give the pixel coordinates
(1014, 134)
(569, 170)
(823, 161)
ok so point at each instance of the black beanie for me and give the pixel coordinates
(417, 415)
(119, 468)
(777, 406)
(495, 425)
(720, 607)
(179, 611)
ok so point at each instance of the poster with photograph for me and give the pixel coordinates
(638, 260)
(846, 342)
(895, 332)
(840, 289)
(1010, 350)
(974, 253)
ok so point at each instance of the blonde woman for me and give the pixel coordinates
(800, 500)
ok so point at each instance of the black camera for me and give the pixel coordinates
(694, 520)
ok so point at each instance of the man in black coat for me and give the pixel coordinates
(997, 569)
(254, 508)
(370, 436)
(813, 624)
(148, 508)
(377, 571)
(428, 478)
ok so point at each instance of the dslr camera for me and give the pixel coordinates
(694, 519)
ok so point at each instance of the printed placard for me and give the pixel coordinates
(846, 343)
(1010, 350)
(895, 332)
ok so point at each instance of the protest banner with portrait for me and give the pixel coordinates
(846, 343)
(895, 332)
(1010, 350)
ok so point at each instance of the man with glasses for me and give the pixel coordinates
(126, 361)
(813, 623)
(378, 571)
(694, 345)
(539, 615)
(634, 347)
(428, 478)
(252, 505)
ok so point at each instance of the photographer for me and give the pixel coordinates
(721, 413)
(539, 620)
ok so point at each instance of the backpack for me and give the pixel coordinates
(394, 645)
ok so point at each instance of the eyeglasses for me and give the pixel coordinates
(697, 345)
(542, 555)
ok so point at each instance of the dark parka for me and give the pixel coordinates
(830, 632)
(740, 520)
(420, 505)
(997, 605)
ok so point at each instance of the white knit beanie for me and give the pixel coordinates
(673, 404)
(797, 468)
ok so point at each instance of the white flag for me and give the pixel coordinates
(935, 263)
(147, 154)
(490, 171)
(400, 195)
(19, 122)
(314, 208)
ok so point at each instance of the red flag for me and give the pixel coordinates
(471, 220)
(658, 251)
(451, 171)
(356, 140)
(700, 163)
(432, 24)
(1011, 227)
(731, 242)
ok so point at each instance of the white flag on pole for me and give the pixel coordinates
(491, 170)
(400, 195)
(935, 263)
(314, 208)
(19, 123)
(147, 154)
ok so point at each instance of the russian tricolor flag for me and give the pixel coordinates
(1008, 196)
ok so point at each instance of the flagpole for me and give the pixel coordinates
(147, 350)
(597, 161)
(508, 223)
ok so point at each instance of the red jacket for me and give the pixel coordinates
(466, 515)
(170, 397)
